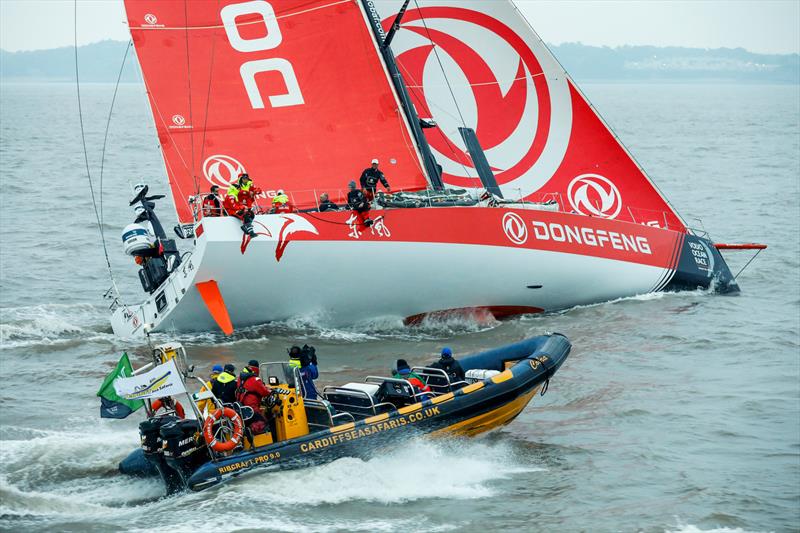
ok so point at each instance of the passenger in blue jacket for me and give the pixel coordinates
(305, 359)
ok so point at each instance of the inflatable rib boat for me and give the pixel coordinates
(352, 420)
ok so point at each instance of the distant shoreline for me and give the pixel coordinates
(100, 62)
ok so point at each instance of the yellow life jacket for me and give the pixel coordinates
(280, 199)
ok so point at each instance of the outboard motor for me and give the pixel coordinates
(152, 445)
(184, 448)
(159, 255)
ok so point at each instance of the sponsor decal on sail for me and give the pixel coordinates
(179, 123)
(222, 170)
(594, 195)
(264, 99)
(522, 117)
(151, 21)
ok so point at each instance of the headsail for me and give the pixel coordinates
(291, 91)
(479, 64)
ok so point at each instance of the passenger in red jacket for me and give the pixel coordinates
(250, 391)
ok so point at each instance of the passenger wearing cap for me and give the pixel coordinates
(449, 364)
(250, 392)
(370, 178)
(208, 405)
(359, 204)
(401, 370)
(280, 203)
(224, 386)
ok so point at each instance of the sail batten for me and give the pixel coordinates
(293, 92)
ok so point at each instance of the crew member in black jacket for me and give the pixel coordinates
(370, 178)
(359, 204)
(450, 366)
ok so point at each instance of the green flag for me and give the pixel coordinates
(111, 404)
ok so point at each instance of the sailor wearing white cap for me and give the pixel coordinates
(370, 178)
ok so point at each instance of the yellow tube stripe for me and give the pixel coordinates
(491, 420)
(410, 408)
(343, 427)
(442, 398)
(503, 376)
(472, 388)
(377, 418)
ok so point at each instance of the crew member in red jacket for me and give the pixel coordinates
(212, 207)
(250, 391)
(239, 200)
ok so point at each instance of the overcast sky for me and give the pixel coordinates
(768, 26)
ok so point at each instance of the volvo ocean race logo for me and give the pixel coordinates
(594, 195)
(514, 228)
(522, 118)
(222, 170)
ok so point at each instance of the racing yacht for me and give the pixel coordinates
(509, 193)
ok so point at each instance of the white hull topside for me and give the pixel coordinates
(346, 281)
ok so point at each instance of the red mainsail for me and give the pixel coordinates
(479, 64)
(293, 92)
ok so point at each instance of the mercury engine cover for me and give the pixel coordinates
(184, 449)
(152, 446)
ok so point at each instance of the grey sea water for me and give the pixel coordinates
(675, 412)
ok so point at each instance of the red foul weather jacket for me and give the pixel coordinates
(254, 390)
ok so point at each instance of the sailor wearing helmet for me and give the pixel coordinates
(370, 178)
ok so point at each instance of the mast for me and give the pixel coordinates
(431, 166)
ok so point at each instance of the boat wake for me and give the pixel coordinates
(689, 528)
(53, 324)
(318, 326)
(57, 477)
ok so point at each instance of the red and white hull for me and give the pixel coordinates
(411, 262)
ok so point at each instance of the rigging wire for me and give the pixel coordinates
(441, 66)
(208, 95)
(85, 150)
(747, 264)
(105, 138)
(189, 82)
(417, 91)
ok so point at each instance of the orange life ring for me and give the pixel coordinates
(208, 430)
(158, 404)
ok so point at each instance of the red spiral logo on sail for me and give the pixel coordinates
(497, 116)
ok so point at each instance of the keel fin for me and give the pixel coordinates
(209, 291)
